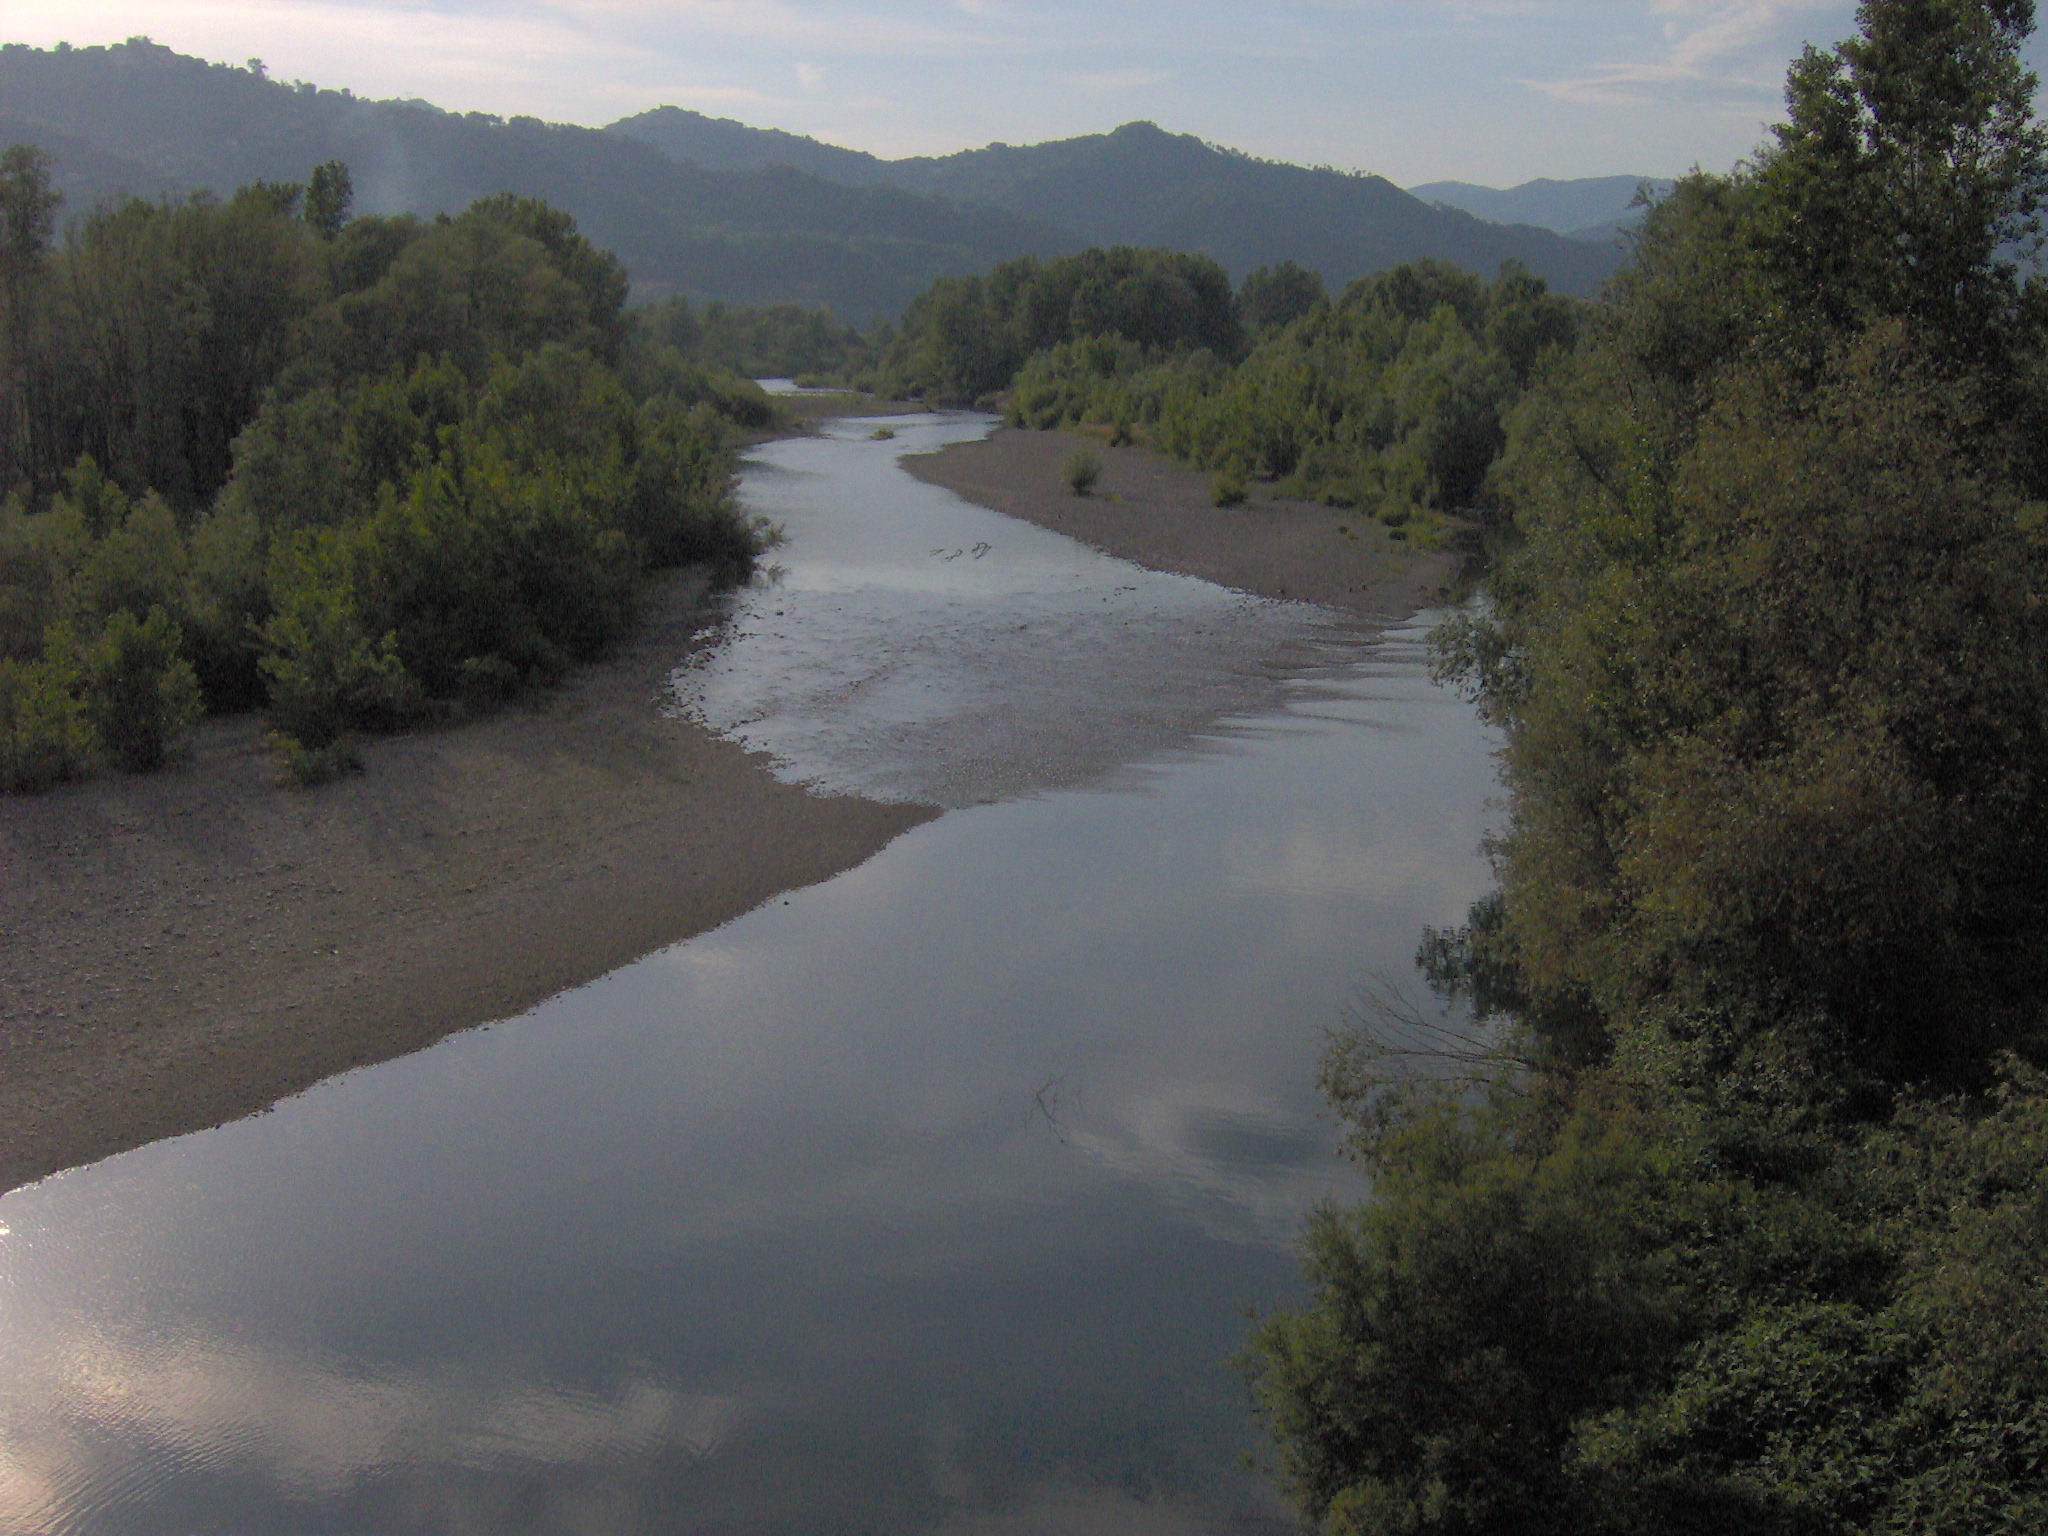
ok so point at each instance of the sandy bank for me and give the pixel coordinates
(182, 949)
(1148, 509)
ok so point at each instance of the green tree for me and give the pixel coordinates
(330, 194)
(1764, 959)
(46, 736)
(327, 677)
(141, 695)
(28, 209)
(342, 465)
(1909, 173)
(1275, 297)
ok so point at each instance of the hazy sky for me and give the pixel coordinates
(1494, 91)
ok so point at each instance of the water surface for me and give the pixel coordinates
(927, 1199)
(908, 645)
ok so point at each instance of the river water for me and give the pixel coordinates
(929, 1199)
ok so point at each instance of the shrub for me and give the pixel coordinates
(45, 736)
(141, 696)
(37, 557)
(326, 677)
(306, 767)
(1228, 488)
(681, 508)
(1081, 471)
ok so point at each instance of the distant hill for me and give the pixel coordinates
(85, 174)
(1595, 208)
(715, 209)
(1143, 186)
(139, 118)
(721, 144)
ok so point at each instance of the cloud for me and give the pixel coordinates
(1715, 54)
(314, 1429)
(810, 76)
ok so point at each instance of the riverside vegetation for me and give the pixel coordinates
(259, 454)
(1725, 1211)
(1391, 399)
(1728, 1212)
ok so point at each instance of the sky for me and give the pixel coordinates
(1488, 91)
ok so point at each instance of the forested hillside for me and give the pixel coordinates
(717, 211)
(721, 144)
(354, 471)
(139, 119)
(1142, 186)
(1727, 1211)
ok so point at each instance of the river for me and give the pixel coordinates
(927, 1199)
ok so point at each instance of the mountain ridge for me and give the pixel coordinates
(1586, 208)
(138, 119)
(1139, 184)
(773, 217)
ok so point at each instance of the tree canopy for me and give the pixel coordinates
(261, 453)
(1742, 1229)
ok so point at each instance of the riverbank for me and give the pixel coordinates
(185, 948)
(1154, 512)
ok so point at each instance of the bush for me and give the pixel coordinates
(306, 767)
(37, 557)
(326, 677)
(141, 696)
(373, 462)
(45, 736)
(1228, 488)
(681, 508)
(1081, 471)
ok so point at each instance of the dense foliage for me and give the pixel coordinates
(1731, 1215)
(258, 453)
(769, 341)
(1392, 398)
(964, 339)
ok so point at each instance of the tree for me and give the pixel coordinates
(338, 467)
(1277, 296)
(1769, 655)
(141, 696)
(330, 192)
(28, 210)
(28, 213)
(1907, 179)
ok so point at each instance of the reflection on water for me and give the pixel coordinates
(928, 1199)
(908, 645)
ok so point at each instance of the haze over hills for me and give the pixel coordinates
(138, 118)
(1140, 185)
(1591, 208)
(716, 209)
